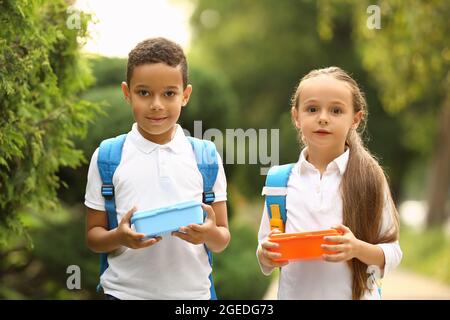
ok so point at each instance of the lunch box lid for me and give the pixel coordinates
(304, 235)
(155, 212)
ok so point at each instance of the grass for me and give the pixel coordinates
(426, 252)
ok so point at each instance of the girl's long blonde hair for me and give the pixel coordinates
(364, 185)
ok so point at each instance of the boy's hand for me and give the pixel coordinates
(199, 233)
(265, 256)
(128, 238)
(346, 247)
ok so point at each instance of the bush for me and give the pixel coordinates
(236, 271)
(42, 76)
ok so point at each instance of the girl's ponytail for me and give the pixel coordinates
(363, 190)
(362, 202)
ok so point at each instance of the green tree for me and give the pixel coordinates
(40, 109)
(409, 59)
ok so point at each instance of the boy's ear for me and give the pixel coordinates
(357, 119)
(294, 116)
(126, 91)
(186, 94)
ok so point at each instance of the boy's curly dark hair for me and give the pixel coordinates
(157, 50)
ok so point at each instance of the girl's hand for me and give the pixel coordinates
(199, 233)
(265, 256)
(347, 245)
(128, 238)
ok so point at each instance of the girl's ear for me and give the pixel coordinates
(186, 95)
(125, 91)
(357, 119)
(294, 116)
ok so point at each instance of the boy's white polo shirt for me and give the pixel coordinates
(152, 176)
(315, 203)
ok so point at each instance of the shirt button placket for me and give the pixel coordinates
(162, 159)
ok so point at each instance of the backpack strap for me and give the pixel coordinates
(207, 163)
(109, 156)
(275, 191)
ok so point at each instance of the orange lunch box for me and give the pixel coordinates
(303, 245)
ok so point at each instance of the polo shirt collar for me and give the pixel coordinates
(340, 162)
(175, 145)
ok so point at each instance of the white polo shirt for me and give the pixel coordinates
(152, 176)
(315, 203)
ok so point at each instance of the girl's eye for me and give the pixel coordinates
(143, 93)
(337, 110)
(170, 93)
(311, 109)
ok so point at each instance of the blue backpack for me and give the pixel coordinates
(275, 191)
(109, 156)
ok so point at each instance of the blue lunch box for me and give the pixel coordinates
(164, 220)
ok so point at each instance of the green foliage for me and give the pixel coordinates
(236, 271)
(108, 71)
(116, 117)
(41, 273)
(40, 111)
(212, 100)
(427, 252)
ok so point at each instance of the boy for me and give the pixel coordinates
(157, 169)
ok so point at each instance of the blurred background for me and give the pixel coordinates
(61, 65)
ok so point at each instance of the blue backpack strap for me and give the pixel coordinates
(207, 163)
(109, 156)
(275, 191)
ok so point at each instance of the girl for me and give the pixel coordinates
(336, 183)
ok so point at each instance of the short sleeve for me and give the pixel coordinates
(264, 230)
(220, 186)
(392, 251)
(93, 198)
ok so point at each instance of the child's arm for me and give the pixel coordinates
(213, 232)
(349, 247)
(100, 239)
(386, 256)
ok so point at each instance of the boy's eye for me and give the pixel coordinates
(143, 93)
(311, 109)
(170, 93)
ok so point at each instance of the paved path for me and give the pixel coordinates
(399, 285)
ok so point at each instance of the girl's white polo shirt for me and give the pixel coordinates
(315, 203)
(152, 176)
